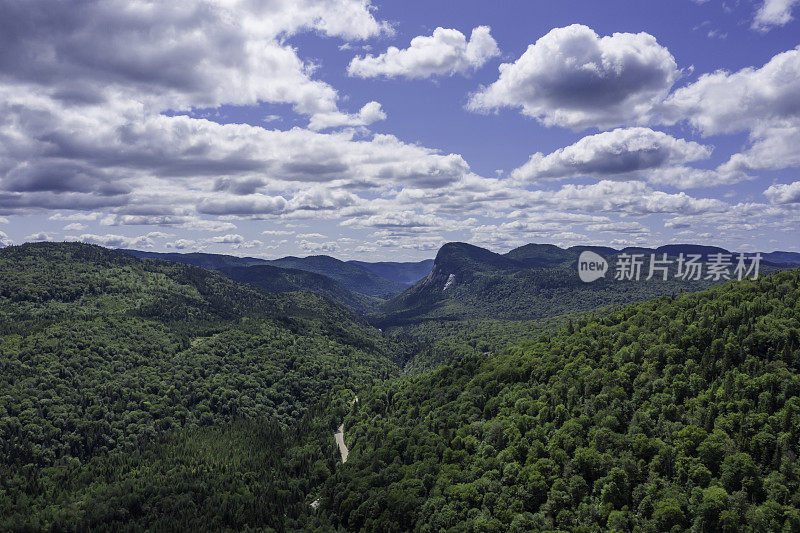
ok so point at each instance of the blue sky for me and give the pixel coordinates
(284, 127)
(682, 27)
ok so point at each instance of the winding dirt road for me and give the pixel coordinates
(339, 436)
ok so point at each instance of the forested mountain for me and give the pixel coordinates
(406, 273)
(673, 414)
(276, 279)
(788, 258)
(350, 276)
(141, 393)
(532, 282)
(355, 276)
(204, 260)
(550, 255)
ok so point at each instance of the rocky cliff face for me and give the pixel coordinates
(439, 279)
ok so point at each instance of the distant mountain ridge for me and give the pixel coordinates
(350, 276)
(465, 259)
(550, 255)
(787, 258)
(464, 280)
(533, 281)
(200, 259)
(406, 273)
(357, 278)
(278, 279)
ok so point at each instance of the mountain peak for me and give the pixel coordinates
(539, 255)
(459, 256)
(458, 262)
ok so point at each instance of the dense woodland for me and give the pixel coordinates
(679, 413)
(112, 367)
(432, 343)
(144, 394)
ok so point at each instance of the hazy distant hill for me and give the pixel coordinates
(788, 258)
(277, 279)
(353, 277)
(209, 261)
(675, 249)
(550, 255)
(350, 276)
(404, 273)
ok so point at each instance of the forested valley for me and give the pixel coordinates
(143, 394)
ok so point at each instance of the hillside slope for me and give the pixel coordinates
(318, 274)
(103, 356)
(277, 279)
(663, 416)
(787, 258)
(350, 276)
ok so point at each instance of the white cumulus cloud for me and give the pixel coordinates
(618, 153)
(75, 226)
(573, 77)
(726, 102)
(444, 53)
(371, 112)
(38, 237)
(113, 241)
(784, 193)
(774, 13)
(233, 238)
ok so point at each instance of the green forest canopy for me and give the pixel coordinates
(139, 394)
(672, 414)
